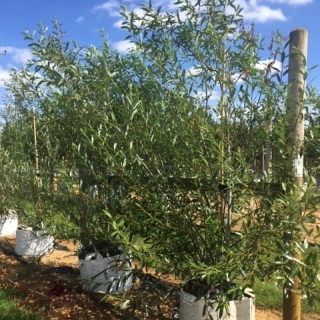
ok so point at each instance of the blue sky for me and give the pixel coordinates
(82, 20)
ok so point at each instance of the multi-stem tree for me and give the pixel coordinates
(165, 139)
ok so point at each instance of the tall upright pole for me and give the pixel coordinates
(295, 109)
(35, 144)
(224, 203)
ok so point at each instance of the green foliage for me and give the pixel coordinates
(269, 296)
(9, 310)
(158, 150)
(185, 223)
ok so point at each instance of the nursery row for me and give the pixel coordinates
(178, 153)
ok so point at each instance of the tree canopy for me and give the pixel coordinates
(177, 150)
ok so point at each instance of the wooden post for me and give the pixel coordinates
(224, 153)
(223, 117)
(295, 109)
(35, 143)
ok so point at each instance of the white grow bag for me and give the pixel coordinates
(8, 225)
(193, 310)
(32, 243)
(105, 274)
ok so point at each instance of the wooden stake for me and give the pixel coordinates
(223, 147)
(295, 109)
(35, 144)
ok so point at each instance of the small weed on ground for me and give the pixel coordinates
(10, 309)
(269, 296)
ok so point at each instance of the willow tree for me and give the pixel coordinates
(187, 159)
(164, 141)
(69, 89)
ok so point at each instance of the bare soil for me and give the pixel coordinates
(54, 292)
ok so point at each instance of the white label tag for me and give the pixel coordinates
(188, 298)
(298, 167)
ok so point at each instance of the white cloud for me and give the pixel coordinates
(118, 24)
(139, 12)
(252, 9)
(4, 76)
(123, 46)
(211, 96)
(263, 14)
(237, 78)
(80, 19)
(194, 71)
(291, 2)
(260, 13)
(111, 7)
(18, 55)
(271, 66)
